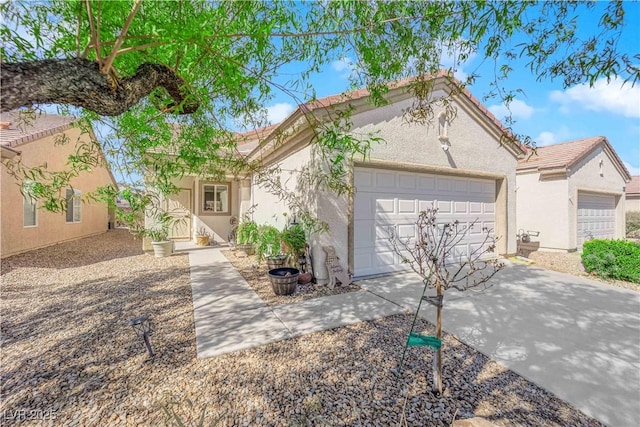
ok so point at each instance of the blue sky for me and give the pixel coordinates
(546, 111)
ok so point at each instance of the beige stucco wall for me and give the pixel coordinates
(543, 206)
(51, 227)
(586, 176)
(217, 224)
(269, 209)
(632, 204)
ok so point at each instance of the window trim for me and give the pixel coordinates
(25, 197)
(76, 198)
(202, 185)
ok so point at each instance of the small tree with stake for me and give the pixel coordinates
(433, 256)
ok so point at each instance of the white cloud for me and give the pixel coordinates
(632, 169)
(344, 66)
(519, 110)
(451, 59)
(548, 138)
(611, 97)
(278, 112)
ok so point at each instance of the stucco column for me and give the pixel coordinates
(245, 196)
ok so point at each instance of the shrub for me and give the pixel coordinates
(612, 259)
(268, 241)
(247, 232)
(633, 224)
(294, 239)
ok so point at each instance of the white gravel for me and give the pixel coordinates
(67, 351)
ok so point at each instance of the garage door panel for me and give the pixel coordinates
(363, 233)
(385, 206)
(385, 180)
(406, 231)
(407, 206)
(407, 182)
(427, 183)
(596, 217)
(397, 209)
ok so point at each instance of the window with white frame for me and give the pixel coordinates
(216, 198)
(30, 205)
(73, 205)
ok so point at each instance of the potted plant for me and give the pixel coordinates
(159, 235)
(294, 240)
(202, 237)
(247, 236)
(268, 246)
(284, 280)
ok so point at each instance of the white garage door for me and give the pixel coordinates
(596, 217)
(390, 201)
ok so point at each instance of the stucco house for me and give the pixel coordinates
(632, 194)
(571, 192)
(24, 225)
(464, 166)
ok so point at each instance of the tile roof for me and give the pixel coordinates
(23, 131)
(633, 187)
(565, 155)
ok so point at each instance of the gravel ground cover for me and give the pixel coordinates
(68, 352)
(571, 263)
(256, 275)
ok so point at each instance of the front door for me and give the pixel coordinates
(179, 207)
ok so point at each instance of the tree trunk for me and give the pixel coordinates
(79, 82)
(437, 361)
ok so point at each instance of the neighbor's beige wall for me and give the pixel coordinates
(585, 176)
(474, 151)
(632, 204)
(51, 227)
(543, 206)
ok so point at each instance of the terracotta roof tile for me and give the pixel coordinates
(43, 125)
(565, 155)
(633, 187)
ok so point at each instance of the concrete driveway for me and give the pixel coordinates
(575, 337)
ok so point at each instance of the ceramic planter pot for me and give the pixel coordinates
(162, 249)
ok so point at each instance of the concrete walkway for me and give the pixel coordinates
(577, 338)
(230, 316)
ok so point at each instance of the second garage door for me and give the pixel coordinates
(389, 201)
(596, 217)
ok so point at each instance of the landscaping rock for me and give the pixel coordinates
(67, 349)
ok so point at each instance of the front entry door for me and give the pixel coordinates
(179, 206)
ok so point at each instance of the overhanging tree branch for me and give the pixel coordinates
(79, 82)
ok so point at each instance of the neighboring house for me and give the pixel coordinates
(632, 194)
(24, 224)
(465, 167)
(572, 192)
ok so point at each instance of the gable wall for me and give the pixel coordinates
(585, 176)
(52, 227)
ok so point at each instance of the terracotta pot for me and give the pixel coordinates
(202, 240)
(304, 278)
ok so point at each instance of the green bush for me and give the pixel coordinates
(268, 241)
(612, 259)
(294, 239)
(247, 232)
(633, 224)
